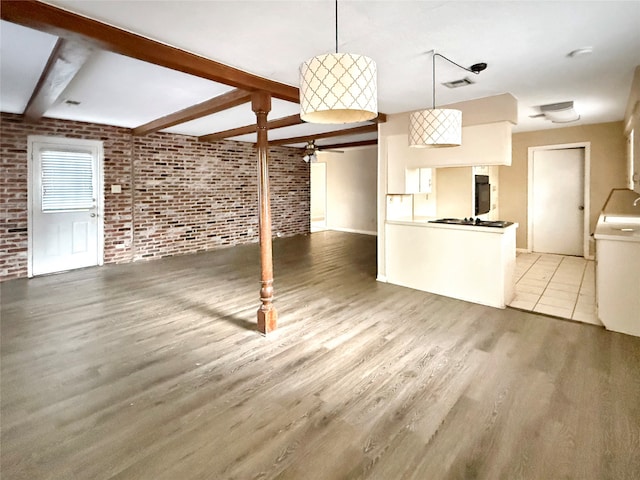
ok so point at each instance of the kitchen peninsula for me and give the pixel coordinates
(469, 262)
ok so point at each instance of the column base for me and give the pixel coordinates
(267, 319)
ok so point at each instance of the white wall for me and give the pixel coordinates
(352, 189)
(454, 192)
(318, 192)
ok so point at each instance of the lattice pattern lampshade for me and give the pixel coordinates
(338, 88)
(435, 128)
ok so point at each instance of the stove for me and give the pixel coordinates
(473, 221)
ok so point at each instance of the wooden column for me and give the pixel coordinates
(267, 315)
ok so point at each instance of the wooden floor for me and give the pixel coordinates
(155, 371)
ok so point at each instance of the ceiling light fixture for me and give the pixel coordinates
(562, 112)
(440, 127)
(338, 87)
(310, 154)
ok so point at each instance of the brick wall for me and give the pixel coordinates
(178, 195)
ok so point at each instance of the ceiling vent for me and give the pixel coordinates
(458, 83)
(562, 112)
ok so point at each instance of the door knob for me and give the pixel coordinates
(581, 207)
(92, 214)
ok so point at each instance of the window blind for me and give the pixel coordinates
(67, 180)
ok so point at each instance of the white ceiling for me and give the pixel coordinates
(525, 45)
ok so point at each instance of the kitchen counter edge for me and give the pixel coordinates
(473, 228)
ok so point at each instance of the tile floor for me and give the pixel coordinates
(556, 285)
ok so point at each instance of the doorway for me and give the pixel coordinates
(66, 228)
(558, 207)
(318, 197)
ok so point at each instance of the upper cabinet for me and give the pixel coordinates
(407, 167)
(488, 144)
(418, 180)
(486, 140)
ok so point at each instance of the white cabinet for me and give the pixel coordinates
(426, 176)
(617, 238)
(418, 180)
(476, 264)
(618, 285)
(488, 144)
(400, 207)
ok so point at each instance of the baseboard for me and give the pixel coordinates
(382, 278)
(524, 250)
(353, 230)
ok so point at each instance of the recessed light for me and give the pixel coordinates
(580, 52)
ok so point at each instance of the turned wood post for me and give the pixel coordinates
(267, 315)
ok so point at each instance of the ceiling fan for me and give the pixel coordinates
(310, 151)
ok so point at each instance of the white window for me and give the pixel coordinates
(67, 180)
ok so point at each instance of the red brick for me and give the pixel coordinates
(188, 196)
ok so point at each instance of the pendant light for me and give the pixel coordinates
(438, 127)
(338, 87)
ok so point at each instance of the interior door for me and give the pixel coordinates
(558, 201)
(65, 204)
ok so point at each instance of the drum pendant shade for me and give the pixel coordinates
(338, 88)
(437, 127)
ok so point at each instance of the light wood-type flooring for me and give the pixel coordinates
(155, 371)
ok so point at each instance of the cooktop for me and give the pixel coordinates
(473, 221)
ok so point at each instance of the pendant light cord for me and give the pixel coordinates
(433, 71)
(336, 26)
(433, 59)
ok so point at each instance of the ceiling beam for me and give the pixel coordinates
(213, 105)
(333, 133)
(235, 132)
(65, 61)
(381, 118)
(62, 23)
(362, 143)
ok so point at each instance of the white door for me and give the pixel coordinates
(318, 197)
(65, 204)
(558, 201)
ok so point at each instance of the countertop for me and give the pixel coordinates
(475, 228)
(626, 224)
(620, 202)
